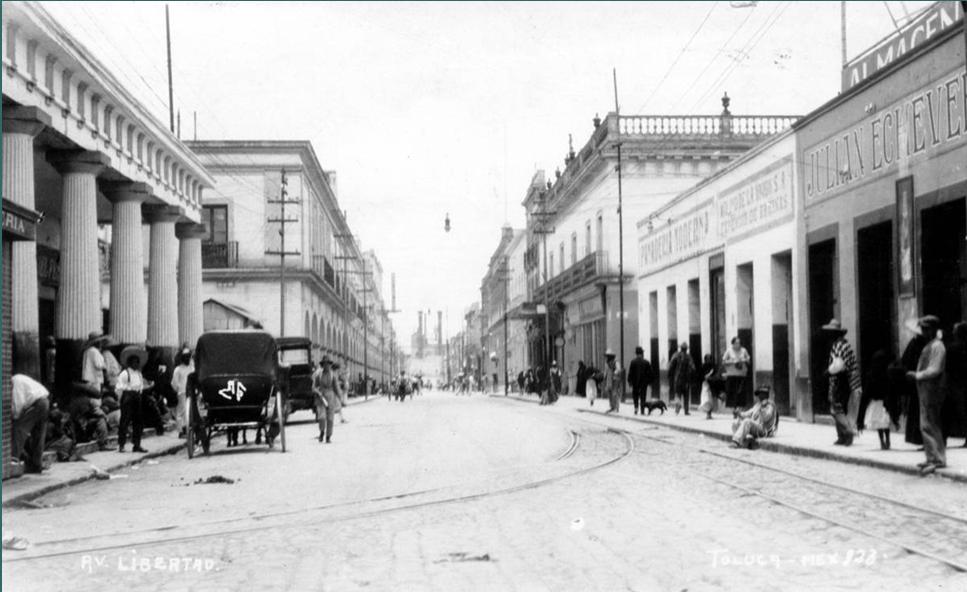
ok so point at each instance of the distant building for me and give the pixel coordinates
(575, 215)
(331, 287)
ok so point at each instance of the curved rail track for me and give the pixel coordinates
(321, 514)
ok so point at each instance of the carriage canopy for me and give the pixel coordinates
(235, 352)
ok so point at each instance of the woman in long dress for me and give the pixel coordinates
(909, 360)
(735, 362)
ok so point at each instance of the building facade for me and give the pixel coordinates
(92, 171)
(718, 261)
(495, 298)
(883, 185)
(332, 289)
(574, 243)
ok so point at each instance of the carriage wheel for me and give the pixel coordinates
(281, 419)
(190, 430)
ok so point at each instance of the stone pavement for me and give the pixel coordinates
(792, 437)
(65, 474)
(336, 517)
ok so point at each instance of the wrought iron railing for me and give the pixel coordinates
(219, 255)
(592, 267)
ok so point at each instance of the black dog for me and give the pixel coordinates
(655, 404)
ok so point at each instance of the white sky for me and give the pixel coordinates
(430, 108)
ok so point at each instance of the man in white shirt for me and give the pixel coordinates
(130, 385)
(93, 364)
(29, 412)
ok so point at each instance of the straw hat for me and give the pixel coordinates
(136, 351)
(834, 326)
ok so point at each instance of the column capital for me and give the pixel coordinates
(153, 213)
(78, 161)
(190, 230)
(24, 120)
(119, 191)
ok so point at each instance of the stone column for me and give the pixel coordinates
(190, 322)
(128, 307)
(163, 278)
(79, 294)
(20, 126)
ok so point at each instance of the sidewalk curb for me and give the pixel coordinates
(31, 495)
(773, 446)
(169, 450)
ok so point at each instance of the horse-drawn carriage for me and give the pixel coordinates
(237, 384)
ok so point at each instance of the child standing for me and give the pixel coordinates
(877, 415)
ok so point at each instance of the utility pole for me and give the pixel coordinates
(171, 92)
(505, 269)
(621, 247)
(282, 220)
(544, 231)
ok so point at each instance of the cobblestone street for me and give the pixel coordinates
(477, 493)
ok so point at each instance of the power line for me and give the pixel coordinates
(674, 63)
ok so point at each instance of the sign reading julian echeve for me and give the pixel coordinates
(916, 127)
(940, 17)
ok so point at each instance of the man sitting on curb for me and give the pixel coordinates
(760, 421)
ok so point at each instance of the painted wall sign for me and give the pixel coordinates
(591, 308)
(18, 223)
(764, 198)
(48, 266)
(935, 20)
(914, 127)
(679, 240)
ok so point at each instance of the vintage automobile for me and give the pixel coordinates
(295, 357)
(237, 384)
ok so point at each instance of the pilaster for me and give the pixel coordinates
(128, 306)
(20, 126)
(190, 321)
(163, 277)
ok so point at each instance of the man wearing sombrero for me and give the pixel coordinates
(845, 384)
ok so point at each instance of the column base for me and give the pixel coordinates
(67, 369)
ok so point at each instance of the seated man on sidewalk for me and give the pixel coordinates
(90, 421)
(30, 407)
(760, 421)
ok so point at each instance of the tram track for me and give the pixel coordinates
(169, 534)
(886, 519)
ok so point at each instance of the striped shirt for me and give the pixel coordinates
(842, 349)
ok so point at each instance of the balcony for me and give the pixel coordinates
(589, 269)
(219, 255)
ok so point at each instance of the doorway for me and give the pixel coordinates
(716, 278)
(874, 274)
(653, 347)
(745, 321)
(822, 308)
(782, 338)
(695, 337)
(944, 262)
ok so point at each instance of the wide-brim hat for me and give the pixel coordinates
(609, 353)
(326, 360)
(95, 337)
(134, 350)
(929, 322)
(833, 326)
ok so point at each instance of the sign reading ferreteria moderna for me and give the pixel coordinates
(935, 20)
(918, 125)
(679, 240)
